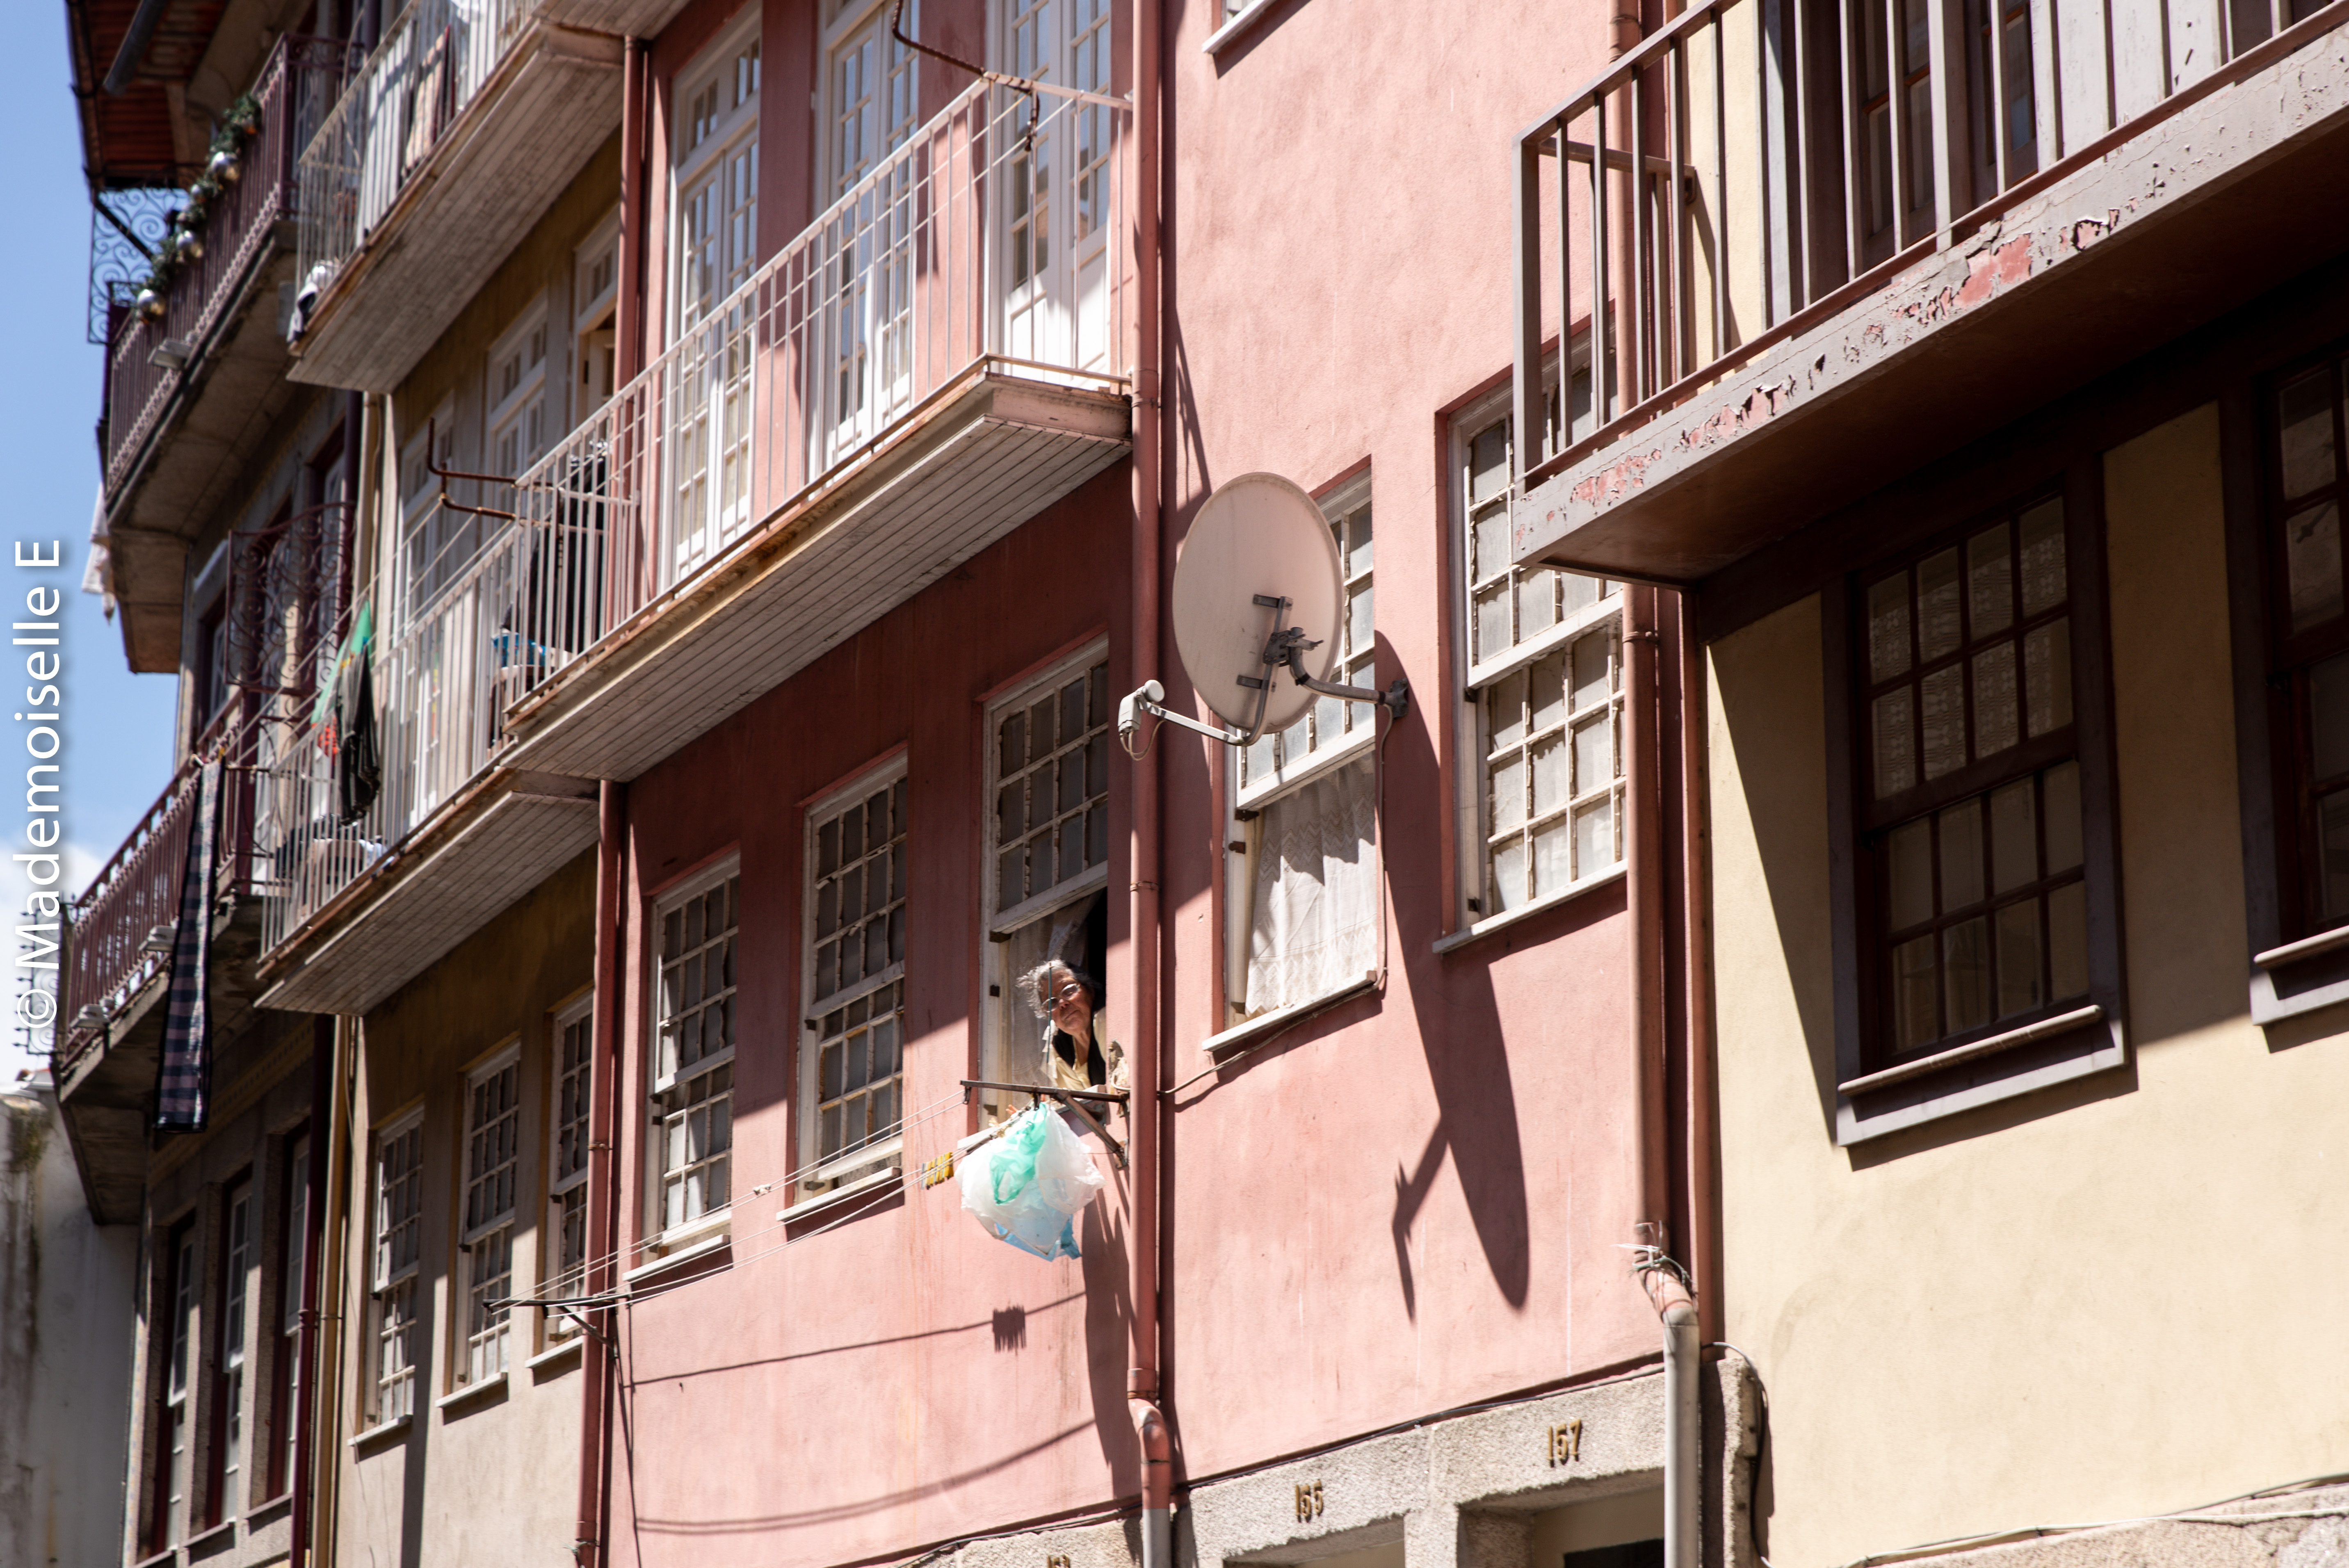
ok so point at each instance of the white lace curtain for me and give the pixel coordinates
(1314, 912)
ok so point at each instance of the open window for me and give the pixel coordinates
(1047, 867)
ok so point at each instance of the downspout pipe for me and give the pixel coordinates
(314, 1226)
(1142, 1382)
(590, 1535)
(1683, 1428)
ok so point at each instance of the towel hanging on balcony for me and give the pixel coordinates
(359, 767)
(183, 1073)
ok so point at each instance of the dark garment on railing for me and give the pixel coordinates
(183, 1073)
(358, 762)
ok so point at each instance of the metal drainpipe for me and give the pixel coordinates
(603, 1176)
(1143, 1239)
(314, 1219)
(1683, 1424)
(629, 341)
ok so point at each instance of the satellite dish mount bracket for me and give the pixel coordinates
(1285, 647)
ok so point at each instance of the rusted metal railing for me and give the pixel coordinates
(119, 930)
(148, 361)
(1754, 164)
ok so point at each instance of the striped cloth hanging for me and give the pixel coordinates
(183, 1074)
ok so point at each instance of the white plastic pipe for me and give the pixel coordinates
(1684, 1423)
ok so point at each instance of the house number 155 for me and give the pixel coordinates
(1309, 1499)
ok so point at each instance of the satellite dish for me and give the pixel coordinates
(1257, 541)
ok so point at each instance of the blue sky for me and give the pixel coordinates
(118, 725)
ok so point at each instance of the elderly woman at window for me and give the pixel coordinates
(1078, 1051)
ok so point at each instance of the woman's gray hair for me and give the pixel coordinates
(1036, 984)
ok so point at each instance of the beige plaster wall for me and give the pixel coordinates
(493, 1479)
(2100, 1302)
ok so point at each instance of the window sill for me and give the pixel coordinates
(225, 1530)
(548, 1357)
(399, 1425)
(850, 1168)
(2300, 977)
(269, 1512)
(1280, 1018)
(1225, 36)
(677, 1254)
(2046, 1029)
(840, 1194)
(471, 1394)
(168, 1554)
(1468, 935)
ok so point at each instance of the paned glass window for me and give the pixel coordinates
(399, 1205)
(693, 1095)
(1546, 683)
(294, 1267)
(2307, 482)
(236, 1278)
(493, 1155)
(567, 1179)
(1972, 789)
(1051, 789)
(856, 965)
(1331, 723)
(178, 1449)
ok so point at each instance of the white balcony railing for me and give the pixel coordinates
(433, 59)
(993, 234)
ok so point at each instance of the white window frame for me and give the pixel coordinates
(666, 1102)
(527, 348)
(481, 1336)
(1474, 896)
(295, 1254)
(421, 581)
(1344, 507)
(180, 1377)
(240, 1214)
(566, 1191)
(713, 392)
(862, 298)
(1011, 1046)
(392, 1281)
(594, 315)
(887, 779)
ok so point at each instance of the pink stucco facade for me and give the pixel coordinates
(1413, 1201)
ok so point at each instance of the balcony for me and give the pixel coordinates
(1800, 283)
(191, 384)
(119, 932)
(939, 356)
(452, 140)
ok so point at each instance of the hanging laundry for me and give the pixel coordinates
(358, 763)
(183, 1071)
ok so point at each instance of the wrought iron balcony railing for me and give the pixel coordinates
(990, 236)
(278, 643)
(151, 357)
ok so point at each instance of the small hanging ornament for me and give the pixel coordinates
(223, 168)
(149, 303)
(187, 244)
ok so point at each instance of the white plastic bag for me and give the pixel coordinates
(1025, 1185)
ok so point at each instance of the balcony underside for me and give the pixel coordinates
(108, 1093)
(208, 426)
(2187, 219)
(621, 18)
(988, 452)
(495, 173)
(506, 834)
